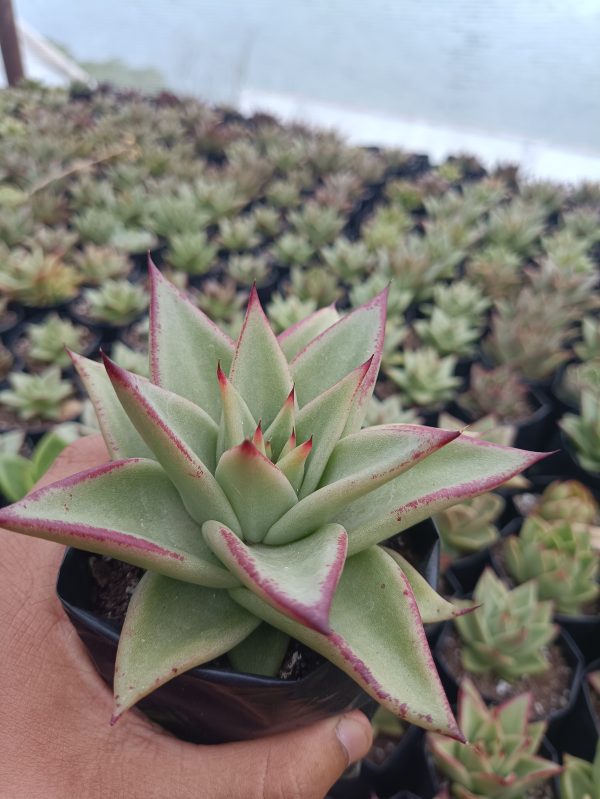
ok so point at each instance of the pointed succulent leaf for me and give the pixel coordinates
(432, 606)
(259, 369)
(150, 412)
(171, 627)
(129, 510)
(292, 464)
(377, 638)
(464, 468)
(262, 652)
(143, 401)
(185, 346)
(121, 438)
(237, 423)
(282, 426)
(339, 349)
(324, 419)
(298, 579)
(359, 464)
(296, 337)
(259, 492)
(513, 715)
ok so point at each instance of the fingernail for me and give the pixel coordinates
(354, 736)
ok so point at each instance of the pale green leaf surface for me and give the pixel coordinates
(462, 469)
(129, 510)
(237, 423)
(257, 490)
(151, 412)
(296, 337)
(339, 349)
(282, 426)
(185, 347)
(262, 652)
(432, 606)
(358, 464)
(170, 627)
(121, 437)
(377, 639)
(298, 579)
(259, 369)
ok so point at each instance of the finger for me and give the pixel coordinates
(302, 764)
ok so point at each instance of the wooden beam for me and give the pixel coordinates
(9, 42)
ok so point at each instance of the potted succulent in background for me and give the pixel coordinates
(501, 760)
(245, 486)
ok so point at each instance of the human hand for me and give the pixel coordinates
(55, 737)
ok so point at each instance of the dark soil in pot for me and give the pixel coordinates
(404, 769)
(11, 318)
(36, 427)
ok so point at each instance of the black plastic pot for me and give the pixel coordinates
(216, 706)
(556, 720)
(405, 770)
(581, 729)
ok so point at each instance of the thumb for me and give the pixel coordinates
(302, 764)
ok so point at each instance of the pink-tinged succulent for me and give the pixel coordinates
(500, 761)
(242, 481)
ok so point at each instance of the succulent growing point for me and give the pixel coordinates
(48, 339)
(507, 635)
(580, 779)
(116, 302)
(500, 760)
(559, 556)
(43, 396)
(246, 487)
(470, 525)
(425, 378)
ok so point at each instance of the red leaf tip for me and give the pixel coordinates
(221, 376)
(248, 449)
(291, 397)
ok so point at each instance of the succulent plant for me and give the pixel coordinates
(192, 252)
(580, 779)
(318, 224)
(496, 391)
(96, 225)
(399, 298)
(448, 335)
(37, 280)
(246, 487)
(589, 348)
(516, 226)
(583, 431)
(132, 240)
(292, 249)
(221, 300)
(459, 300)
(497, 270)
(507, 636)
(48, 339)
(53, 240)
(390, 411)
(470, 526)
(339, 191)
(386, 227)
(116, 302)
(348, 260)
(569, 501)
(266, 220)
(42, 396)
(170, 214)
(314, 283)
(249, 269)
(425, 378)
(577, 378)
(96, 264)
(131, 360)
(405, 194)
(500, 760)
(238, 234)
(558, 555)
(284, 312)
(283, 193)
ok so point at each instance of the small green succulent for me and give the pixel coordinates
(48, 340)
(41, 396)
(96, 264)
(237, 235)
(459, 300)
(497, 270)
(507, 636)
(386, 228)
(116, 302)
(390, 411)
(399, 298)
(448, 335)
(246, 486)
(470, 526)
(132, 360)
(500, 760)
(580, 779)
(248, 269)
(266, 220)
(36, 279)
(577, 378)
(192, 252)
(132, 240)
(292, 249)
(314, 283)
(96, 225)
(348, 260)
(284, 312)
(559, 556)
(284, 193)
(516, 226)
(426, 379)
(221, 300)
(583, 431)
(569, 501)
(588, 349)
(318, 224)
(181, 212)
